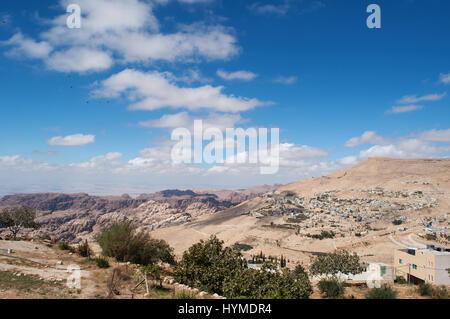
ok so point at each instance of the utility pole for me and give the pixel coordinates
(409, 274)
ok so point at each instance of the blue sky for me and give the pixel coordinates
(339, 91)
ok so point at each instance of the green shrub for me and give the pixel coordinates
(102, 262)
(243, 247)
(384, 292)
(440, 293)
(122, 241)
(331, 288)
(397, 222)
(210, 266)
(84, 250)
(401, 280)
(425, 289)
(339, 261)
(65, 246)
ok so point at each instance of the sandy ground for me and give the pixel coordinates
(51, 267)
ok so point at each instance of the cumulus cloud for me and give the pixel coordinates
(99, 161)
(155, 90)
(121, 31)
(184, 120)
(237, 75)
(26, 47)
(80, 60)
(408, 148)
(154, 169)
(71, 140)
(367, 137)
(420, 145)
(436, 136)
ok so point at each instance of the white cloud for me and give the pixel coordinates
(280, 9)
(98, 161)
(286, 80)
(404, 109)
(286, 6)
(436, 136)
(445, 78)
(184, 120)
(411, 99)
(155, 90)
(121, 31)
(237, 75)
(368, 137)
(409, 148)
(80, 60)
(412, 146)
(289, 151)
(71, 140)
(153, 169)
(25, 47)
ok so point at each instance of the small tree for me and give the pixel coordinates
(122, 240)
(154, 272)
(384, 292)
(331, 288)
(17, 218)
(340, 261)
(84, 250)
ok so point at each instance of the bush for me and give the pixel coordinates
(211, 267)
(331, 288)
(65, 246)
(267, 283)
(384, 292)
(324, 234)
(440, 293)
(122, 241)
(102, 262)
(339, 261)
(84, 250)
(243, 247)
(397, 222)
(400, 280)
(425, 289)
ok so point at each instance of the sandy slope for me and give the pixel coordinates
(236, 225)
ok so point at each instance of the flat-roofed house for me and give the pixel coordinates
(423, 265)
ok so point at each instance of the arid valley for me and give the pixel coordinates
(373, 209)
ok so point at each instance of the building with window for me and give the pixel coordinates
(423, 265)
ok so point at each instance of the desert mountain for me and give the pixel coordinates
(74, 216)
(389, 174)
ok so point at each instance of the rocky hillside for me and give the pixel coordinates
(369, 208)
(74, 216)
